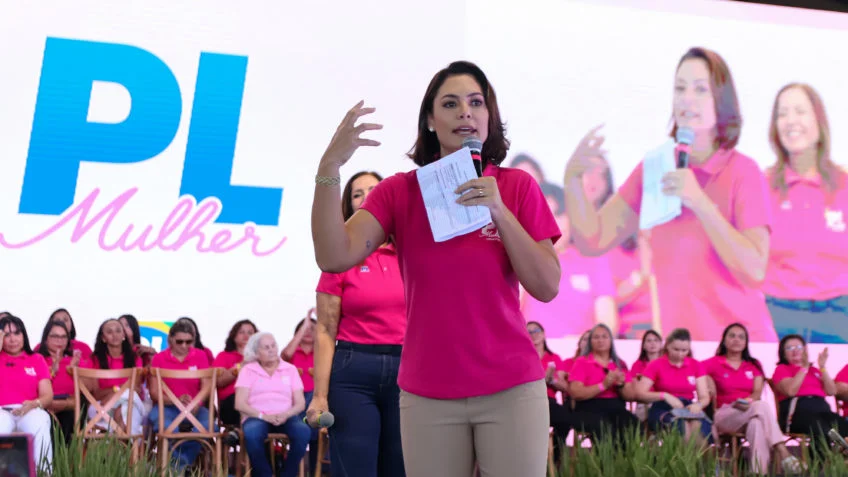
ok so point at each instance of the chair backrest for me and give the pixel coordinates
(102, 410)
(186, 410)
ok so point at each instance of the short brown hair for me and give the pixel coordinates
(426, 148)
(728, 117)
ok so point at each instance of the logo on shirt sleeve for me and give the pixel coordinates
(30, 371)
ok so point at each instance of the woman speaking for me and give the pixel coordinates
(461, 398)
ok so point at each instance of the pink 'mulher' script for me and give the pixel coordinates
(185, 223)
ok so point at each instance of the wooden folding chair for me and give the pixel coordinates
(104, 424)
(801, 439)
(283, 439)
(172, 432)
(323, 447)
(733, 440)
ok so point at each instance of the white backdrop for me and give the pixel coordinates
(559, 67)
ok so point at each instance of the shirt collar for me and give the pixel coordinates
(716, 162)
(791, 177)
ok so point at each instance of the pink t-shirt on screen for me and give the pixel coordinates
(811, 386)
(305, 364)
(692, 280)
(842, 377)
(551, 359)
(572, 312)
(731, 384)
(808, 255)
(465, 284)
(679, 381)
(589, 372)
(114, 363)
(194, 360)
(19, 377)
(373, 309)
(226, 360)
(270, 394)
(637, 311)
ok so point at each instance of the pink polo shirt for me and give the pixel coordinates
(680, 381)
(589, 372)
(270, 394)
(811, 386)
(692, 281)
(305, 364)
(572, 312)
(76, 345)
(731, 384)
(63, 382)
(842, 377)
(459, 288)
(638, 369)
(20, 375)
(809, 243)
(637, 311)
(114, 363)
(547, 360)
(226, 360)
(195, 359)
(373, 309)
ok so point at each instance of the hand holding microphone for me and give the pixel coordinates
(318, 414)
(682, 182)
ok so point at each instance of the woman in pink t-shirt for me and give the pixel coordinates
(738, 379)
(114, 351)
(597, 385)
(61, 359)
(25, 389)
(555, 379)
(796, 380)
(677, 381)
(806, 285)
(714, 254)
(230, 361)
(461, 287)
(586, 288)
(210, 357)
(269, 396)
(651, 349)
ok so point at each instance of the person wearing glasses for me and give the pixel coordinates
(61, 359)
(797, 381)
(181, 354)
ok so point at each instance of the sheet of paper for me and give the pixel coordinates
(438, 181)
(658, 208)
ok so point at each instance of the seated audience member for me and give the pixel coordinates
(676, 381)
(596, 384)
(555, 379)
(181, 354)
(739, 381)
(269, 395)
(25, 389)
(197, 343)
(796, 379)
(113, 351)
(230, 360)
(63, 316)
(61, 360)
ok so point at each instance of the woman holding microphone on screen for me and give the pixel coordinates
(714, 254)
(358, 342)
(461, 398)
(806, 285)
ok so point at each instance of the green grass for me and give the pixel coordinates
(668, 455)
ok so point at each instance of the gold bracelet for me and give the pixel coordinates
(328, 181)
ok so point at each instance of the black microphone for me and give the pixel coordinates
(476, 147)
(684, 138)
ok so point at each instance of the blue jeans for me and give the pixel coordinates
(256, 431)
(817, 321)
(185, 453)
(364, 397)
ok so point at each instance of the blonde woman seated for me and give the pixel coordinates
(269, 396)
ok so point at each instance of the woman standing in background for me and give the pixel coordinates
(806, 285)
